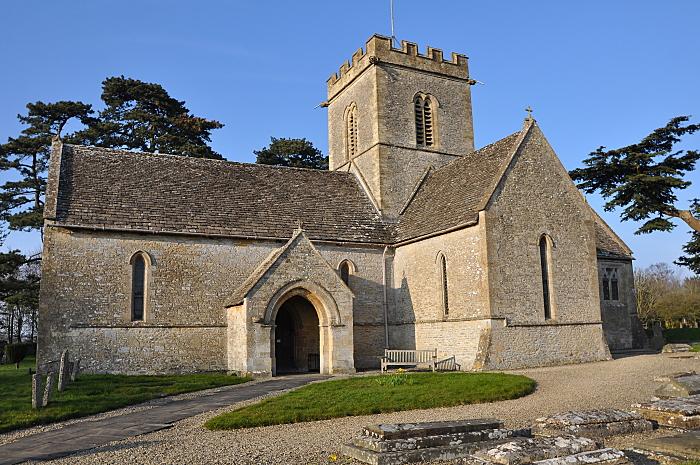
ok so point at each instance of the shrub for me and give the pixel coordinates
(15, 353)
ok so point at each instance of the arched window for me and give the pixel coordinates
(351, 131)
(425, 120)
(546, 268)
(442, 264)
(345, 269)
(138, 286)
(345, 272)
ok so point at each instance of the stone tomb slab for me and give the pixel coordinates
(607, 456)
(680, 386)
(425, 442)
(591, 423)
(685, 445)
(528, 450)
(431, 428)
(677, 412)
(388, 444)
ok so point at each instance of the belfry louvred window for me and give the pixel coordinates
(425, 121)
(351, 131)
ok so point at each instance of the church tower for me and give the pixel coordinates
(394, 113)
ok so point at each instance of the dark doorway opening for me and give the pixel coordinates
(297, 337)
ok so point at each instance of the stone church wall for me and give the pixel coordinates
(85, 299)
(367, 285)
(621, 325)
(417, 317)
(86, 302)
(535, 198)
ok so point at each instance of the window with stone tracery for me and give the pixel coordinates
(611, 290)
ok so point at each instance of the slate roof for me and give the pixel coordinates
(115, 189)
(120, 190)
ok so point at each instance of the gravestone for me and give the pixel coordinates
(676, 348)
(677, 412)
(682, 446)
(388, 444)
(48, 389)
(75, 369)
(591, 423)
(63, 371)
(680, 386)
(37, 392)
(480, 442)
(554, 450)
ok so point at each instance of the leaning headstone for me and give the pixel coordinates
(680, 386)
(37, 392)
(681, 446)
(48, 389)
(591, 423)
(676, 348)
(75, 368)
(677, 412)
(63, 371)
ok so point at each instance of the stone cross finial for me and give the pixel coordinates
(529, 113)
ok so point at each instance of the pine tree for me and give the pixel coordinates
(298, 153)
(143, 116)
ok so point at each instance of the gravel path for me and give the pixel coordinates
(617, 383)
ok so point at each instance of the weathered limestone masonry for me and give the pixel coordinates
(412, 240)
(536, 197)
(382, 82)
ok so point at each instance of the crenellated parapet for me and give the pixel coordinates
(380, 50)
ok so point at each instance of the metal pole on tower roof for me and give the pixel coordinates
(391, 10)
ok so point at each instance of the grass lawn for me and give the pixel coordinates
(695, 347)
(682, 335)
(90, 394)
(376, 394)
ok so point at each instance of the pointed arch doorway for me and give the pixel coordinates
(297, 338)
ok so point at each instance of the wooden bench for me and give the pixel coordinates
(401, 358)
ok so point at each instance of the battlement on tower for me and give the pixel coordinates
(379, 49)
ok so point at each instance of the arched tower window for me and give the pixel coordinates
(546, 268)
(139, 264)
(351, 131)
(423, 106)
(442, 269)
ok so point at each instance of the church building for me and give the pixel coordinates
(413, 239)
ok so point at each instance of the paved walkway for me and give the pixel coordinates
(89, 434)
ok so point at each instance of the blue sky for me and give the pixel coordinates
(599, 72)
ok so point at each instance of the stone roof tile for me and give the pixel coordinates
(115, 189)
